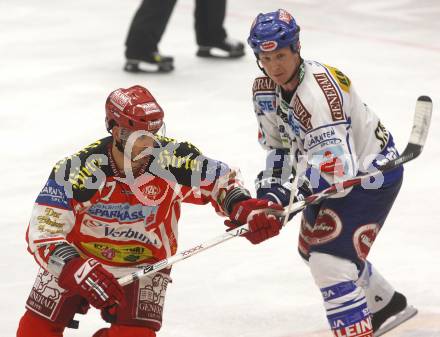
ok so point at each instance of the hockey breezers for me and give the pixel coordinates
(422, 118)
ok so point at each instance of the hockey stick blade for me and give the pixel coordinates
(419, 133)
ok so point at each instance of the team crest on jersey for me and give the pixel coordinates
(152, 191)
(363, 239)
(331, 94)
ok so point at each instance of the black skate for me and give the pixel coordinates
(228, 49)
(152, 63)
(392, 315)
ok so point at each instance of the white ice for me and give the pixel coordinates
(59, 61)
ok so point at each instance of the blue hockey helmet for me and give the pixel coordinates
(274, 30)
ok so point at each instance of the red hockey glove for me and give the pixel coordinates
(89, 279)
(262, 226)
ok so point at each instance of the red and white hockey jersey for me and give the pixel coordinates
(85, 203)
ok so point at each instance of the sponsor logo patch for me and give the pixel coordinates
(382, 135)
(45, 294)
(327, 227)
(322, 137)
(269, 46)
(363, 239)
(285, 16)
(50, 222)
(52, 194)
(266, 103)
(341, 78)
(331, 95)
(123, 213)
(152, 297)
(263, 84)
(304, 117)
(117, 253)
(331, 159)
(150, 107)
(294, 124)
(119, 99)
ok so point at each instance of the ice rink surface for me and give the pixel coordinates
(59, 61)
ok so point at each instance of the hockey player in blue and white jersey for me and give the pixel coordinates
(313, 124)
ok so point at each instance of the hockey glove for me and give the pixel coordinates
(271, 189)
(89, 279)
(262, 225)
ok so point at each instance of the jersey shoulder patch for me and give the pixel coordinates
(343, 80)
(181, 159)
(78, 173)
(263, 83)
(331, 91)
(186, 164)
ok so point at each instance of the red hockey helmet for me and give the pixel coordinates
(134, 109)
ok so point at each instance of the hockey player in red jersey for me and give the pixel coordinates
(315, 126)
(112, 208)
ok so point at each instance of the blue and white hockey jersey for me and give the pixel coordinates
(325, 126)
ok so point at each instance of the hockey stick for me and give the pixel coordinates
(422, 118)
(419, 133)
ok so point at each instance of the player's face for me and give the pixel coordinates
(137, 144)
(279, 64)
